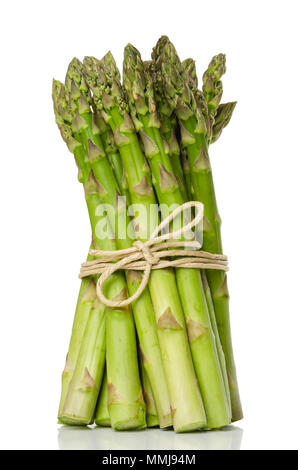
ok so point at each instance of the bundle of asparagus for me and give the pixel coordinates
(166, 359)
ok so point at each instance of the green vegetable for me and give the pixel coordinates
(79, 406)
(102, 416)
(140, 92)
(109, 195)
(186, 402)
(194, 136)
(141, 149)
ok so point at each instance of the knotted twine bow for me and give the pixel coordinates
(148, 255)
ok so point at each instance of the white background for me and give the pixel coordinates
(44, 224)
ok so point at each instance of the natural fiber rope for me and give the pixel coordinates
(149, 255)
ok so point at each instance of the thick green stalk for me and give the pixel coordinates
(102, 416)
(121, 366)
(83, 390)
(223, 117)
(125, 402)
(188, 411)
(203, 190)
(207, 291)
(108, 191)
(86, 297)
(212, 317)
(194, 137)
(123, 397)
(139, 89)
(79, 404)
(202, 182)
(80, 401)
(130, 410)
(142, 307)
(216, 119)
(151, 412)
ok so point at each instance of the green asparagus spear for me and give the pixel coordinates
(102, 416)
(194, 137)
(188, 412)
(87, 295)
(140, 92)
(127, 409)
(222, 118)
(151, 412)
(142, 307)
(168, 125)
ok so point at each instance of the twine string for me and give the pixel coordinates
(155, 253)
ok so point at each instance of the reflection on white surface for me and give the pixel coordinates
(77, 438)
